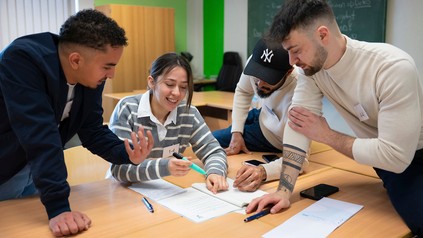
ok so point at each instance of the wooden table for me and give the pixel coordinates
(230, 225)
(113, 209)
(117, 211)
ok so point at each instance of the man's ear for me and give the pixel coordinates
(323, 32)
(75, 60)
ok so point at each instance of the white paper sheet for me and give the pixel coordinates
(197, 206)
(232, 195)
(157, 189)
(317, 220)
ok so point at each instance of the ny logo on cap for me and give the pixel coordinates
(267, 55)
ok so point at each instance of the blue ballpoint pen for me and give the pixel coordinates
(148, 204)
(193, 166)
(258, 215)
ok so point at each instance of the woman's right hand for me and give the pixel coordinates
(178, 167)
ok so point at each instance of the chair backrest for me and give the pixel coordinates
(230, 72)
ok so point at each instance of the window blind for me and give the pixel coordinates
(23, 17)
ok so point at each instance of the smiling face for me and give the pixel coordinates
(305, 52)
(169, 89)
(91, 67)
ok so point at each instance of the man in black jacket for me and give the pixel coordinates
(50, 90)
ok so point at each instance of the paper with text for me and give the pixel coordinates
(232, 195)
(196, 203)
(157, 189)
(319, 219)
(197, 206)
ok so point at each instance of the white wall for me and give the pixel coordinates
(404, 28)
(235, 27)
(195, 36)
(22, 17)
(84, 4)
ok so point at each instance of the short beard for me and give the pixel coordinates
(318, 62)
(262, 94)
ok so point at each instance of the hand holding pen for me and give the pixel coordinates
(178, 167)
(192, 166)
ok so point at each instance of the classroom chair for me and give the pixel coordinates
(229, 73)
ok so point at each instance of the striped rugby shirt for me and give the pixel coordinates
(183, 127)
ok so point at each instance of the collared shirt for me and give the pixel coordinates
(144, 110)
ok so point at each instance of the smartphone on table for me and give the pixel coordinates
(319, 191)
(270, 157)
(266, 157)
(253, 162)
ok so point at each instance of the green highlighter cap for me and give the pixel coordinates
(193, 166)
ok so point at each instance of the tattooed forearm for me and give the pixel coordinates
(286, 163)
(285, 182)
(292, 158)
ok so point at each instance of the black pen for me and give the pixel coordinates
(148, 204)
(258, 215)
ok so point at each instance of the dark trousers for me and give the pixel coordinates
(253, 137)
(406, 192)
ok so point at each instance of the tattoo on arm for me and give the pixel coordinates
(292, 157)
(285, 182)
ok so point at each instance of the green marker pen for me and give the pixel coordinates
(193, 166)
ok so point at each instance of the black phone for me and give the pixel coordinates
(270, 157)
(253, 162)
(319, 191)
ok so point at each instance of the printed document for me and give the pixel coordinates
(196, 203)
(157, 189)
(320, 219)
(233, 195)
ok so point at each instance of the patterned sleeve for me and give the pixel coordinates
(122, 124)
(149, 169)
(206, 147)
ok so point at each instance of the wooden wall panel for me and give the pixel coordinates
(151, 33)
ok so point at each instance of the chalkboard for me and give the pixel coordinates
(359, 19)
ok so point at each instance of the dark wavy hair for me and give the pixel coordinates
(165, 63)
(93, 29)
(298, 14)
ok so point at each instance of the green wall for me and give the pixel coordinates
(180, 15)
(213, 11)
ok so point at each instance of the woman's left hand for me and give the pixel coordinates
(215, 183)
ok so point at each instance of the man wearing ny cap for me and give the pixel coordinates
(268, 75)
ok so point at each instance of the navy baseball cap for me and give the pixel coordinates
(268, 63)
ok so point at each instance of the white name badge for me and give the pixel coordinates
(361, 114)
(271, 112)
(168, 151)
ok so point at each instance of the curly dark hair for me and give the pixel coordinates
(93, 29)
(298, 14)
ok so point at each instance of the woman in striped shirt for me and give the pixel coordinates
(174, 123)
